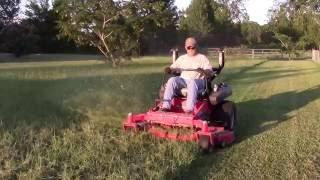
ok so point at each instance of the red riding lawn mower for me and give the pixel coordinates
(212, 123)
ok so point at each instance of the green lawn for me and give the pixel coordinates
(62, 120)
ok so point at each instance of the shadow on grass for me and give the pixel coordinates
(264, 73)
(237, 74)
(256, 116)
(271, 111)
(287, 59)
(263, 76)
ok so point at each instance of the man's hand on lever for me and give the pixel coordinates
(205, 72)
(169, 70)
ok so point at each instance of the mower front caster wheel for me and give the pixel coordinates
(204, 144)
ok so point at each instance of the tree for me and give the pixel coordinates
(223, 18)
(289, 46)
(99, 23)
(285, 29)
(199, 18)
(9, 10)
(306, 18)
(14, 36)
(19, 39)
(214, 22)
(268, 39)
(41, 15)
(236, 9)
(154, 22)
(38, 10)
(296, 24)
(299, 20)
(116, 28)
(251, 32)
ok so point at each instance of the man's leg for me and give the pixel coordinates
(194, 87)
(172, 86)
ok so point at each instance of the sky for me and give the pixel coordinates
(257, 9)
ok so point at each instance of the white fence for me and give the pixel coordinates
(253, 53)
(316, 55)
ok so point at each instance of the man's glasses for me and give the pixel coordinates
(191, 47)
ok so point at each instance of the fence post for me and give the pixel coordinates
(175, 54)
(316, 55)
(252, 53)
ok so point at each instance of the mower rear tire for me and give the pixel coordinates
(225, 114)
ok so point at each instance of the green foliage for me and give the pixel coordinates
(299, 21)
(251, 33)
(235, 8)
(38, 10)
(223, 16)
(8, 11)
(289, 46)
(43, 18)
(96, 23)
(154, 23)
(199, 18)
(267, 36)
(19, 39)
(207, 16)
(283, 24)
(36, 33)
(116, 28)
(214, 22)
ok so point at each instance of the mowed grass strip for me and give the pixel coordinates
(63, 121)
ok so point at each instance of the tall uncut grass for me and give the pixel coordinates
(62, 120)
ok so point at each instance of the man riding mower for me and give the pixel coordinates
(188, 101)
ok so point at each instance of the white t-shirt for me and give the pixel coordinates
(192, 62)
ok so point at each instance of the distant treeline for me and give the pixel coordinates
(121, 29)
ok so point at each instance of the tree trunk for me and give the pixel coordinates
(104, 53)
(105, 48)
(108, 56)
(114, 64)
(289, 56)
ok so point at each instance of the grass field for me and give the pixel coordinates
(62, 120)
